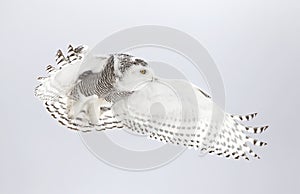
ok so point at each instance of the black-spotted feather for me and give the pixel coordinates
(56, 102)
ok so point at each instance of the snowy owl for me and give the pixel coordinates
(87, 92)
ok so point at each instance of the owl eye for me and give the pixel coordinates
(143, 71)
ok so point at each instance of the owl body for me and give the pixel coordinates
(87, 92)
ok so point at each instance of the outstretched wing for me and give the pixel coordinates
(54, 91)
(176, 112)
(171, 111)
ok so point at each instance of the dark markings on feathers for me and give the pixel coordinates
(257, 129)
(110, 96)
(79, 49)
(69, 123)
(60, 58)
(105, 108)
(236, 151)
(75, 129)
(206, 95)
(245, 117)
(61, 122)
(254, 141)
(100, 84)
(85, 74)
(126, 61)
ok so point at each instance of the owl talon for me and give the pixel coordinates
(90, 105)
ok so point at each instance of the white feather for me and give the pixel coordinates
(170, 111)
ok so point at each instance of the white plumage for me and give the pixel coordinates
(89, 93)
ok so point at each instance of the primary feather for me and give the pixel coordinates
(86, 93)
(189, 118)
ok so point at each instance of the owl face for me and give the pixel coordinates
(135, 73)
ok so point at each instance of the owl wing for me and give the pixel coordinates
(54, 91)
(177, 112)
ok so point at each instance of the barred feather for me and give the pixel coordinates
(56, 99)
(223, 136)
(247, 117)
(71, 55)
(60, 59)
(86, 98)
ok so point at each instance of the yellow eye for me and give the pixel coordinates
(143, 71)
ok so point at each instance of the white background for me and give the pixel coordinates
(255, 45)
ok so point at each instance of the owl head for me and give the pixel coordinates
(131, 72)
